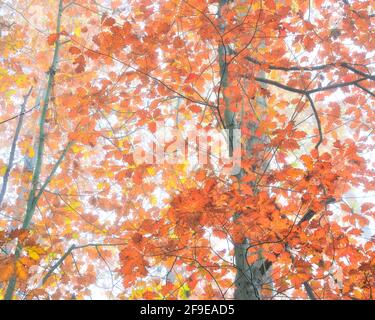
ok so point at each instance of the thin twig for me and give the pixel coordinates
(13, 147)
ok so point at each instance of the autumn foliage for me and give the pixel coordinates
(83, 83)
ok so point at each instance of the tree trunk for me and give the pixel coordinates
(249, 278)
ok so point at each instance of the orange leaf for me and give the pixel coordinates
(194, 108)
(6, 269)
(191, 77)
(109, 22)
(152, 126)
(74, 50)
(52, 38)
(21, 271)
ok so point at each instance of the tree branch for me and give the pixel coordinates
(18, 115)
(53, 171)
(280, 85)
(39, 156)
(365, 89)
(309, 291)
(13, 147)
(310, 213)
(69, 251)
(57, 264)
(312, 68)
(306, 217)
(317, 121)
(336, 85)
(305, 92)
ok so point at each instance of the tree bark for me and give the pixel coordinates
(249, 278)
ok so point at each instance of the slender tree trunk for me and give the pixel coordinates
(31, 201)
(249, 277)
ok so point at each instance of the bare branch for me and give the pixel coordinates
(313, 68)
(317, 121)
(13, 147)
(53, 171)
(69, 251)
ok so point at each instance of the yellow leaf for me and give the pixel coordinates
(34, 252)
(184, 291)
(294, 6)
(10, 93)
(73, 206)
(3, 169)
(242, 9)
(30, 152)
(21, 81)
(76, 149)
(151, 171)
(33, 255)
(103, 185)
(154, 200)
(3, 72)
(77, 31)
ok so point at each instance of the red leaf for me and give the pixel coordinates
(191, 77)
(367, 206)
(74, 50)
(309, 44)
(52, 38)
(109, 22)
(194, 108)
(152, 126)
(80, 60)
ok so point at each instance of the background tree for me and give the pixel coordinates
(80, 216)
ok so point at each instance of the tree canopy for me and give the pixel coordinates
(178, 149)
